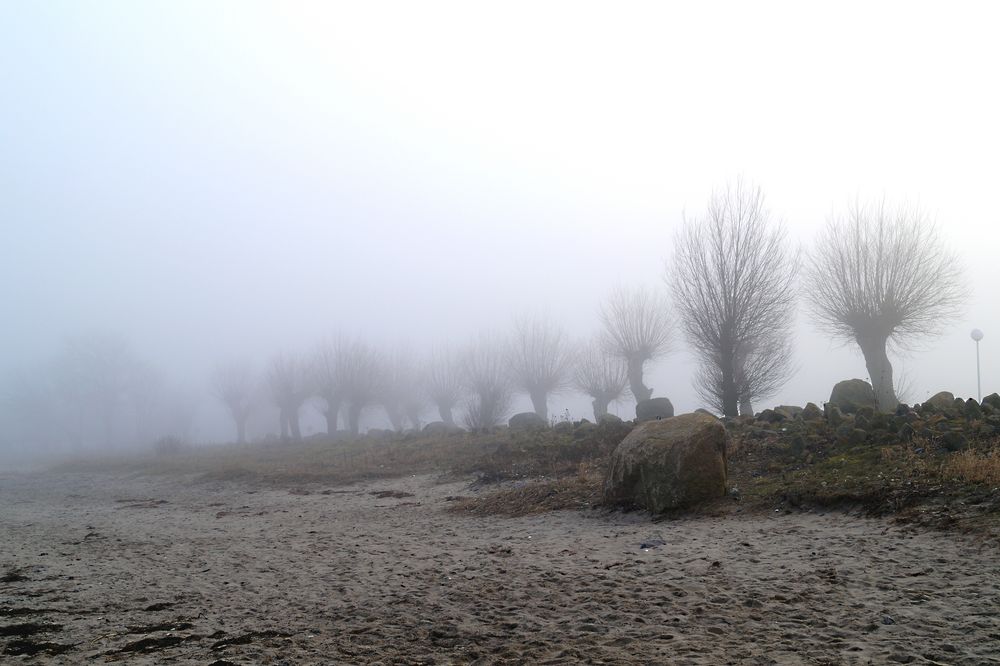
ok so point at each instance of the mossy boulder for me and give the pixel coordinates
(609, 418)
(669, 463)
(527, 421)
(811, 412)
(939, 402)
(852, 394)
(653, 409)
(439, 428)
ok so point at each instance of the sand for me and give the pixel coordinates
(153, 570)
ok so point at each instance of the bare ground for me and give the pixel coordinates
(152, 570)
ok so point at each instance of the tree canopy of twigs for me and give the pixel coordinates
(639, 329)
(233, 384)
(488, 388)
(733, 283)
(540, 360)
(602, 376)
(881, 275)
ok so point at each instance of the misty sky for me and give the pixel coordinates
(211, 179)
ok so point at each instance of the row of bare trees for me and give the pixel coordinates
(344, 376)
(876, 276)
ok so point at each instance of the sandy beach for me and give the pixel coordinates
(152, 570)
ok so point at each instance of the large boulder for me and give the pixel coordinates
(851, 394)
(670, 463)
(940, 401)
(527, 421)
(653, 409)
(439, 428)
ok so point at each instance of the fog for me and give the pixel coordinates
(209, 182)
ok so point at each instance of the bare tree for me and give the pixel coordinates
(288, 377)
(879, 276)
(327, 370)
(637, 327)
(443, 382)
(360, 379)
(145, 391)
(95, 370)
(539, 358)
(400, 392)
(233, 383)
(733, 283)
(487, 384)
(602, 376)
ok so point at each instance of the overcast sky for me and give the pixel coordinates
(219, 178)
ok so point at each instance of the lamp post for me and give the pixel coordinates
(977, 335)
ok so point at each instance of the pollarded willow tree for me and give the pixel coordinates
(540, 359)
(600, 375)
(733, 282)
(638, 328)
(233, 384)
(361, 376)
(881, 275)
(443, 381)
(487, 384)
(326, 368)
(289, 380)
(400, 390)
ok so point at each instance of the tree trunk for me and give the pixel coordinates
(293, 422)
(873, 347)
(241, 430)
(395, 417)
(332, 415)
(730, 395)
(354, 418)
(414, 417)
(540, 401)
(283, 417)
(600, 408)
(639, 390)
(446, 415)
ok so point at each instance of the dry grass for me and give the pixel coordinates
(492, 458)
(974, 466)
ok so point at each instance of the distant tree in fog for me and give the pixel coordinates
(288, 378)
(878, 276)
(638, 328)
(400, 390)
(487, 384)
(234, 384)
(94, 371)
(327, 368)
(602, 376)
(443, 382)
(539, 358)
(733, 282)
(145, 393)
(360, 379)
(26, 409)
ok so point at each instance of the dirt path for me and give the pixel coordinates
(165, 570)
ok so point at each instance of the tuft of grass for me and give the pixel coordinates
(974, 466)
